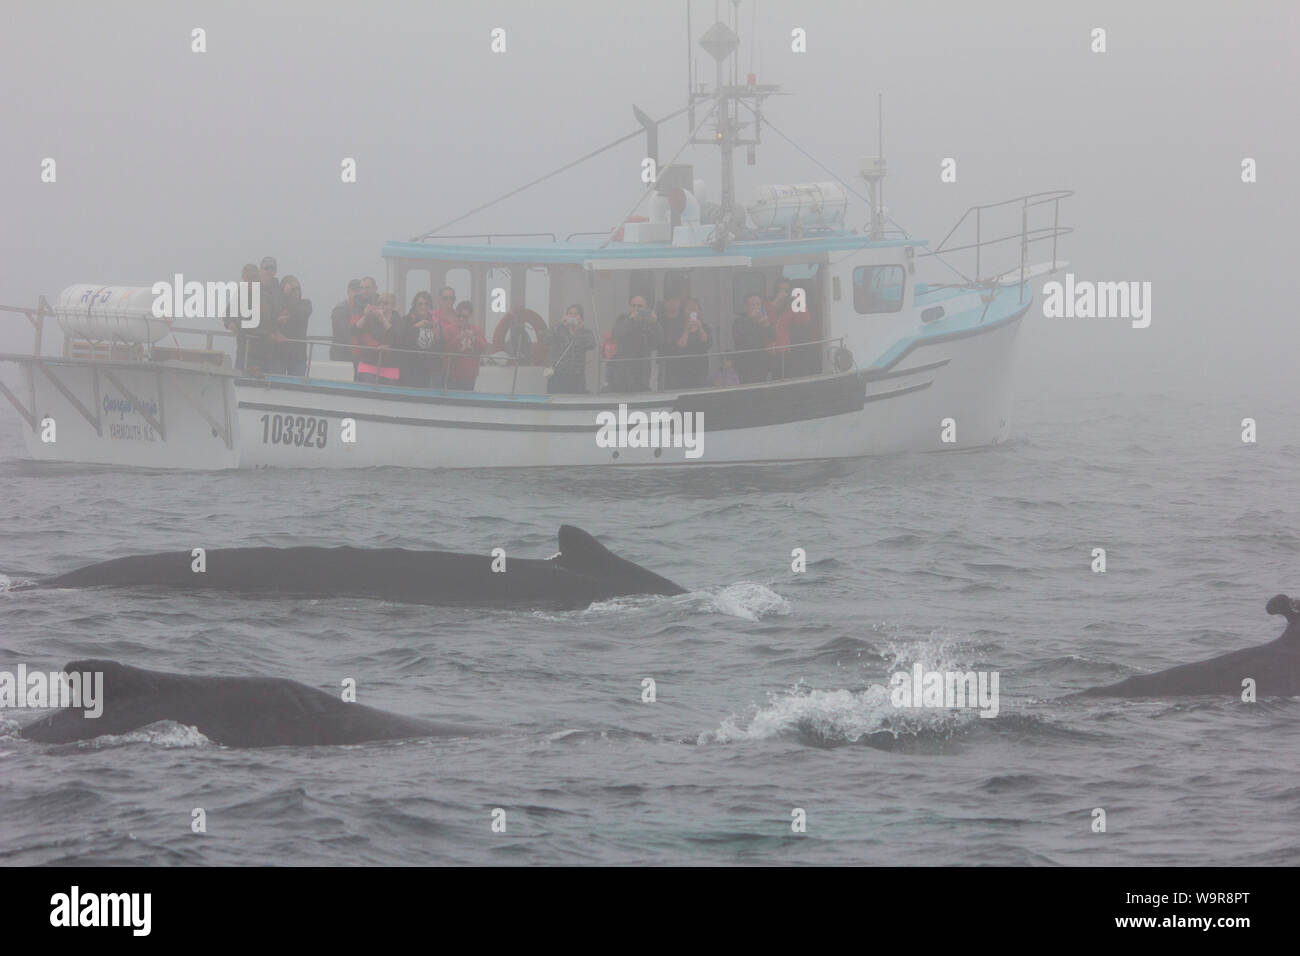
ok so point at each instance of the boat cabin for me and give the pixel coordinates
(858, 291)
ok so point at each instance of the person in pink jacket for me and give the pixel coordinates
(462, 336)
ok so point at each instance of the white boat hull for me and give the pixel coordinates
(139, 415)
(965, 378)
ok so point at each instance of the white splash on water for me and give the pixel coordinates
(167, 734)
(747, 600)
(843, 715)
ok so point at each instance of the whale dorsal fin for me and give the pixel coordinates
(581, 552)
(1281, 604)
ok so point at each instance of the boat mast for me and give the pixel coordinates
(722, 42)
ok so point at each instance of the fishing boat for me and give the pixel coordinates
(879, 358)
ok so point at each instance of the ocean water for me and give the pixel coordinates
(771, 685)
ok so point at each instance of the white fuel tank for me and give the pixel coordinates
(109, 313)
(799, 204)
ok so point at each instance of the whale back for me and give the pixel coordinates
(130, 699)
(582, 553)
(1274, 666)
(235, 711)
(583, 571)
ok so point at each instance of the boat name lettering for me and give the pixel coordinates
(122, 406)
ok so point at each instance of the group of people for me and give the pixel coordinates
(773, 340)
(676, 332)
(278, 344)
(438, 344)
(385, 345)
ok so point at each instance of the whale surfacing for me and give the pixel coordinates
(1274, 667)
(234, 711)
(584, 571)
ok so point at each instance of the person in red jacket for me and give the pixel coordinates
(372, 337)
(462, 336)
(783, 318)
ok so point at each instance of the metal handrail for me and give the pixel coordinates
(1026, 235)
(489, 236)
(36, 317)
(314, 342)
(603, 363)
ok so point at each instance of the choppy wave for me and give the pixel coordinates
(844, 715)
(835, 716)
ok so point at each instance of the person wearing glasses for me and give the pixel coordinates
(637, 334)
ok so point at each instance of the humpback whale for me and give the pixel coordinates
(234, 711)
(584, 571)
(1275, 668)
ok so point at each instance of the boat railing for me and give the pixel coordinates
(35, 316)
(800, 358)
(797, 360)
(1027, 235)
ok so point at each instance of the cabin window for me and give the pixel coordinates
(745, 284)
(877, 289)
(537, 290)
(676, 280)
(459, 279)
(642, 284)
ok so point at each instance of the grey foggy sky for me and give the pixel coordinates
(172, 161)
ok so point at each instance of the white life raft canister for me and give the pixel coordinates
(110, 313)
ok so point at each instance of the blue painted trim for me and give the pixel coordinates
(958, 325)
(578, 252)
(391, 391)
